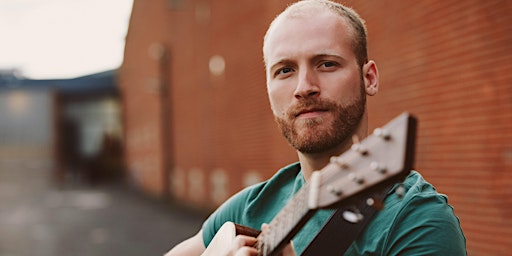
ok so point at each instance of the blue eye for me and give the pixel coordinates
(284, 71)
(329, 64)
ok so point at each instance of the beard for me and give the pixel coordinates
(314, 135)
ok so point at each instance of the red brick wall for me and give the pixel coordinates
(141, 84)
(444, 61)
(449, 62)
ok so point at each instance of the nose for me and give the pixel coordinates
(307, 85)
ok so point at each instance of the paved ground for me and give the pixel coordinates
(39, 219)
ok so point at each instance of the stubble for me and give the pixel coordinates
(315, 135)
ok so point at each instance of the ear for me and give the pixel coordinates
(371, 78)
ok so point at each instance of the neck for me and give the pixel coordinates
(310, 162)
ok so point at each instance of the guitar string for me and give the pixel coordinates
(291, 215)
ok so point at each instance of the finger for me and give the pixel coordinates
(242, 245)
(244, 251)
(242, 240)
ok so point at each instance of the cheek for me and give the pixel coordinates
(277, 100)
(275, 105)
(346, 89)
(281, 99)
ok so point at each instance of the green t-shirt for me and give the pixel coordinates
(420, 223)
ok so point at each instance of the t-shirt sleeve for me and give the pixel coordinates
(230, 210)
(426, 225)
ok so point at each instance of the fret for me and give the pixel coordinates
(286, 224)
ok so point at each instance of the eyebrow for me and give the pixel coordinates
(282, 62)
(328, 55)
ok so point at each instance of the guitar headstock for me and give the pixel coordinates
(383, 158)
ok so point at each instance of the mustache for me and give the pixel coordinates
(309, 105)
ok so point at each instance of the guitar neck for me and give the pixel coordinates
(286, 224)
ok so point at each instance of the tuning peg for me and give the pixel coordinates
(356, 146)
(375, 203)
(356, 178)
(339, 161)
(335, 191)
(360, 149)
(400, 190)
(382, 133)
(380, 168)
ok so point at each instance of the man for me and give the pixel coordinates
(318, 77)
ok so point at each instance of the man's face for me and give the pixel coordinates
(314, 82)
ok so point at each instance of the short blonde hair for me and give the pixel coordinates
(356, 23)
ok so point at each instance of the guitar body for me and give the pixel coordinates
(221, 243)
(222, 240)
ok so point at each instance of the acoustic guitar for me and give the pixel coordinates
(382, 159)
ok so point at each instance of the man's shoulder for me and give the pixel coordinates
(285, 178)
(283, 181)
(407, 222)
(415, 189)
(416, 186)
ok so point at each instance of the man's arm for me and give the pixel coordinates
(193, 246)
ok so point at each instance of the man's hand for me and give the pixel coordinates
(243, 246)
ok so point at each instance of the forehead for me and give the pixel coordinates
(315, 32)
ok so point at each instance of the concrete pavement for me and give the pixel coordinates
(38, 219)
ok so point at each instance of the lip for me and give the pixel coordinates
(310, 113)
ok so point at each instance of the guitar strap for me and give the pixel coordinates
(338, 234)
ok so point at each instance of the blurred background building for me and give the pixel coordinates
(198, 125)
(26, 121)
(70, 125)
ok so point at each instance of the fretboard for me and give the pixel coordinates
(286, 224)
